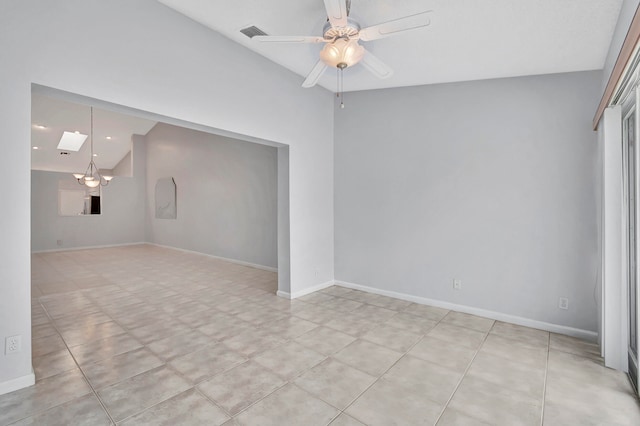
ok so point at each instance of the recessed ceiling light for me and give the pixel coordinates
(39, 126)
(72, 141)
(36, 147)
(108, 137)
(95, 155)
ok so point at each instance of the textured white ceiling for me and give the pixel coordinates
(467, 39)
(58, 116)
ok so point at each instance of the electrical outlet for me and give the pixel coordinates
(13, 344)
(563, 303)
(59, 242)
(457, 284)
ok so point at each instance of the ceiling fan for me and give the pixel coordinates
(342, 35)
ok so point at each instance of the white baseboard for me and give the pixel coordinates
(305, 291)
(226, 259)
(18, 383)
(591, 336)
(87, 247)
(284, 294)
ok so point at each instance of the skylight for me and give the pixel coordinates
(71, 141)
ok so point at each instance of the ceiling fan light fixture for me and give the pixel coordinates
(342, 53)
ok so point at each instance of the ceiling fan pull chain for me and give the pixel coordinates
(340, 86)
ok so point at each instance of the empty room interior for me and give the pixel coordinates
(338, 212)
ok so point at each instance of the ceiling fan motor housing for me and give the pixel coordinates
(349, 31)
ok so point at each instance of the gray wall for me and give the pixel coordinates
(226, 194)
(124, 166)
(490, 182)
(123, 212)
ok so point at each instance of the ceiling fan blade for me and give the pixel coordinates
(336, 12)
(389, 28)
(289, 39)
(375, 65)
(314, 75)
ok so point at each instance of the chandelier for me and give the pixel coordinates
(92, 176)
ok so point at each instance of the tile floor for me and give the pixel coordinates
(149, 336)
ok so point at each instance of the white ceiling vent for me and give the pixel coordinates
(252, 31)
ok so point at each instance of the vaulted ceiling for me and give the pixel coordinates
(50, 117)
(467, 39)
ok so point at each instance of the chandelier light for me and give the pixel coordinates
(92, 176)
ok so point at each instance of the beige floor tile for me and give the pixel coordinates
(392, 337)
(373, 313)
(262, 316)
(186, 305)
(158, 331)
(509, 374)
(335, 382)
(525, 335)
(188, 408)
(290, 327)
(45, 394)
(104, 348)
(412, 323)
(342, 305)
(207, 362)
(345, 420)
(559, 414)
(468, 321)
(451, 355)
(460, 335)
(79, 322)
(137, 316)
(85, 411)
(241, 386)
(39, 318)
(335, 290)
(92, 332)
(389, 302)
(43, 330)
(325, 340)
(47, 345)
(238, 307)
(452, 417)
(180, 344)
(289, 405)
(160, 295)
(317, 298)
(225, 326)
(53, 363)
(253, 342)
(516, 351)
(316, 314)
(432, 381)
(609, 399)
(387, 403)
(351, 324)
(588, 370)
(289, 359)
(495, 404)
(113, 370)
(368, 357)
(140, 392)
(425, 311)
(574, 346)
